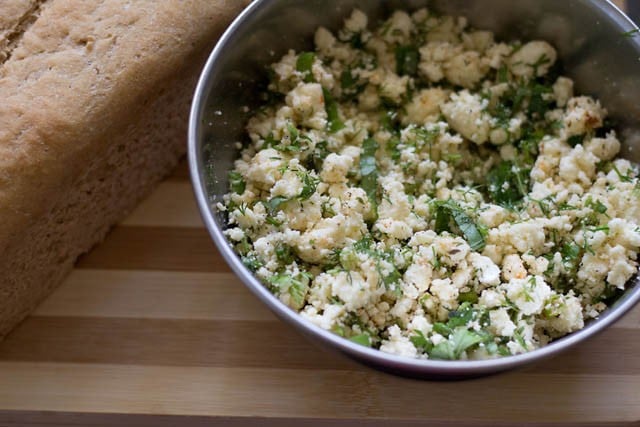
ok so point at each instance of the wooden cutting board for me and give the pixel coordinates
(152, 328)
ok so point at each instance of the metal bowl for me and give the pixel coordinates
(589, 35)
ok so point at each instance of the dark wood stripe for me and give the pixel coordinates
(614, 351)
(50, 418)
(255, 344)
(262, 344)
(156, 248)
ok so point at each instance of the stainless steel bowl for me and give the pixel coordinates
(595, 53)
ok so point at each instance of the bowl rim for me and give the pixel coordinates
(369, 355)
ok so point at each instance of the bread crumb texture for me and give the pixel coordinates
(95, 103)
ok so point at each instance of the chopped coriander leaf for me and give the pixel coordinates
(463, 315)
(362, 339)
(236, 182)
(309, 185)
(369, 170)
(450, 210)
(442, 329)
(597, 205)
(252, 262)
(470, 297)
(350, 84)
(502, 74)
(508, 184)
(304, 64)
(284, 254)
(317, 156)
(631, 33)
(333, 115)
(392, 148)
(537, 102)
(274, 204)
(296, 286)
(469, 229)
(407, 60)
(460, 341)
(421, 342)
(389, 120)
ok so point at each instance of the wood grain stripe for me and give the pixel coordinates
(86, 419)
(172, 204)
(156, 248)
(266, 344)
(172, 295)
(305, 393)
(153, 294)
(263, 344)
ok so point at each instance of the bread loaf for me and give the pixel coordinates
(95, 100)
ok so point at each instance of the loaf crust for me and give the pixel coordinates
(95, 105)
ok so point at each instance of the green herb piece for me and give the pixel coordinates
(274, 204)
(304, 63)
(537, 103)
(309, 185)
(442, 329)
(236, 182)
(517, 334)
(450, 210)
(631, 33)
(348, 259)
(319, 153)
(624, 178)
(389, 120)
(542, 60)
(392, 148)
(362, 339)
(462, 316)
(597, 206)
(460, 341)
(327, 210)
(571, 255)
(508, 184)
(333, 116)
(421, 342)
(503, 74)
(469, 229)
(296, 286)
(470, 297)
(350, 84)
(369, 171)
(284, 253)
(407, 60)
(252, 262)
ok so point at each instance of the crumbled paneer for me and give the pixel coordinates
(423, 189)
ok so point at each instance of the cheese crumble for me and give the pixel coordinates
(426, 190)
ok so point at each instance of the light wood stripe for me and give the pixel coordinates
(172, 204)
(172, 295)
(325, 394)
(156, 248)
(153, 294)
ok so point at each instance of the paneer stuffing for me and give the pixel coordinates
(426, 190)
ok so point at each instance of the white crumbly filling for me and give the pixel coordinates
(428, 191)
